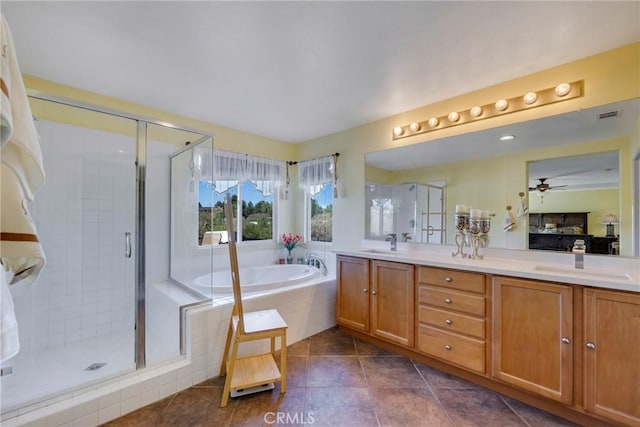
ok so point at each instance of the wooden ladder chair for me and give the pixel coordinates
(250, 371)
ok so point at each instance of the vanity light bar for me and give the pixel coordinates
(561, 92)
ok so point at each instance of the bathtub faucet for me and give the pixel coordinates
(316, 261)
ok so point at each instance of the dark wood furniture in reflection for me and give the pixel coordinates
(567, 228)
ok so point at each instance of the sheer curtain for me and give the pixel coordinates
(226, 168)
(312, 174)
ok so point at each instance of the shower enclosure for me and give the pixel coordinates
(103, 218)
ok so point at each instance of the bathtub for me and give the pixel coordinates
(255, 279)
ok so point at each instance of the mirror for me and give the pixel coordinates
(483, 172)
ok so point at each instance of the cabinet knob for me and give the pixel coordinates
(591, 346)
(565, 341)
(365, 290)
(447, 347)
(374, 293)
(448, 321)
(447, 300)
(447, 279)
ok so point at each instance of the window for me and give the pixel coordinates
(256, 214)
(250, 181)
(317, 178)
(321, 214)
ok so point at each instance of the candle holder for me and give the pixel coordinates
(475, 229)
(462, 226)
(485, 227)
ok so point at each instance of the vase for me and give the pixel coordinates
(289, 256)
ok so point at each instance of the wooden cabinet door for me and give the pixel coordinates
(352, 299)
(612, 355)
(532, 331)
(392, 301)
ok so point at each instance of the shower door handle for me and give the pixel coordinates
(127, 245)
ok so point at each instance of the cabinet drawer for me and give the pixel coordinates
(451, 321)
(463, 351)
(452, 300)
(461, 280)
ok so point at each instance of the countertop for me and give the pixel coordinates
(610, 272)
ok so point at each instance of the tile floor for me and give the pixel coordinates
(337, 380)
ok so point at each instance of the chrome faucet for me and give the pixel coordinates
(406, 237)
(316, 261)
(579, 250)
(394, 241)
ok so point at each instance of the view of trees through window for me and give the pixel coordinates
(256, 214)
(321, 214)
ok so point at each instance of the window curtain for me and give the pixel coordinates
(225, 169)
(314, 173)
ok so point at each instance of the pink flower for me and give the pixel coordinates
(290, 241)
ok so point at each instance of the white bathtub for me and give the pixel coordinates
(254, 279)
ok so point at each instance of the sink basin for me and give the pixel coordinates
(586, 272)
(381, 251)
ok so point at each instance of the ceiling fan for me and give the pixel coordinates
(543, 186)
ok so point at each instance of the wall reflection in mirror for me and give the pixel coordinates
(581, 160)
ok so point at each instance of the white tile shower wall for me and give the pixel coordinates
(82, 213)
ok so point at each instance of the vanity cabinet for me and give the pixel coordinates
(451, 311)
(392, 301)
(376, 297)
(352, 297)
(612, 355)
(532, 336)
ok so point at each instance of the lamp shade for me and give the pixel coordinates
(610, 219)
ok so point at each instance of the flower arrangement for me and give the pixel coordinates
(290, 241)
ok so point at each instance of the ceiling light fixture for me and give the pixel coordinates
(507, 137)
(532, 99)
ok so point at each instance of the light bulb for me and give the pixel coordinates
(562, 89)
(414, 127)
(476, 111)
(397, 131)
(530, 97)
(453, 116)
(433, 122)
(502, 104)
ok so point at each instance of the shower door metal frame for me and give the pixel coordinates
(140, 221)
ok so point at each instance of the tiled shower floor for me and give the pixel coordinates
(336, 380)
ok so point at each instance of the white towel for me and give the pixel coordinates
(509, 221)
(9, 339)
(523, 208)
(22, 172)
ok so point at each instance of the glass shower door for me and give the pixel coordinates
(76, 322)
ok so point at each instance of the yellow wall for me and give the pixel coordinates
(608, 77)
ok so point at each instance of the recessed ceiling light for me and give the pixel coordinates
(507, 137)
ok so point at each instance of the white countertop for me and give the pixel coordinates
(611, 272)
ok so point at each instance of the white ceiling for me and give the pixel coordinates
(295, 71)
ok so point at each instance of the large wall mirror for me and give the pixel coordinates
(574, 172)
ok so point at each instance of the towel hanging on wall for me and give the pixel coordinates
(509, 222)
(523, 208)
(22, 171)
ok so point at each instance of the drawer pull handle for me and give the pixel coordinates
(365, 290)
(447, 300)
(447, 279)
(448, 321)
(565, 341)
(447, 347)
(591, 346)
